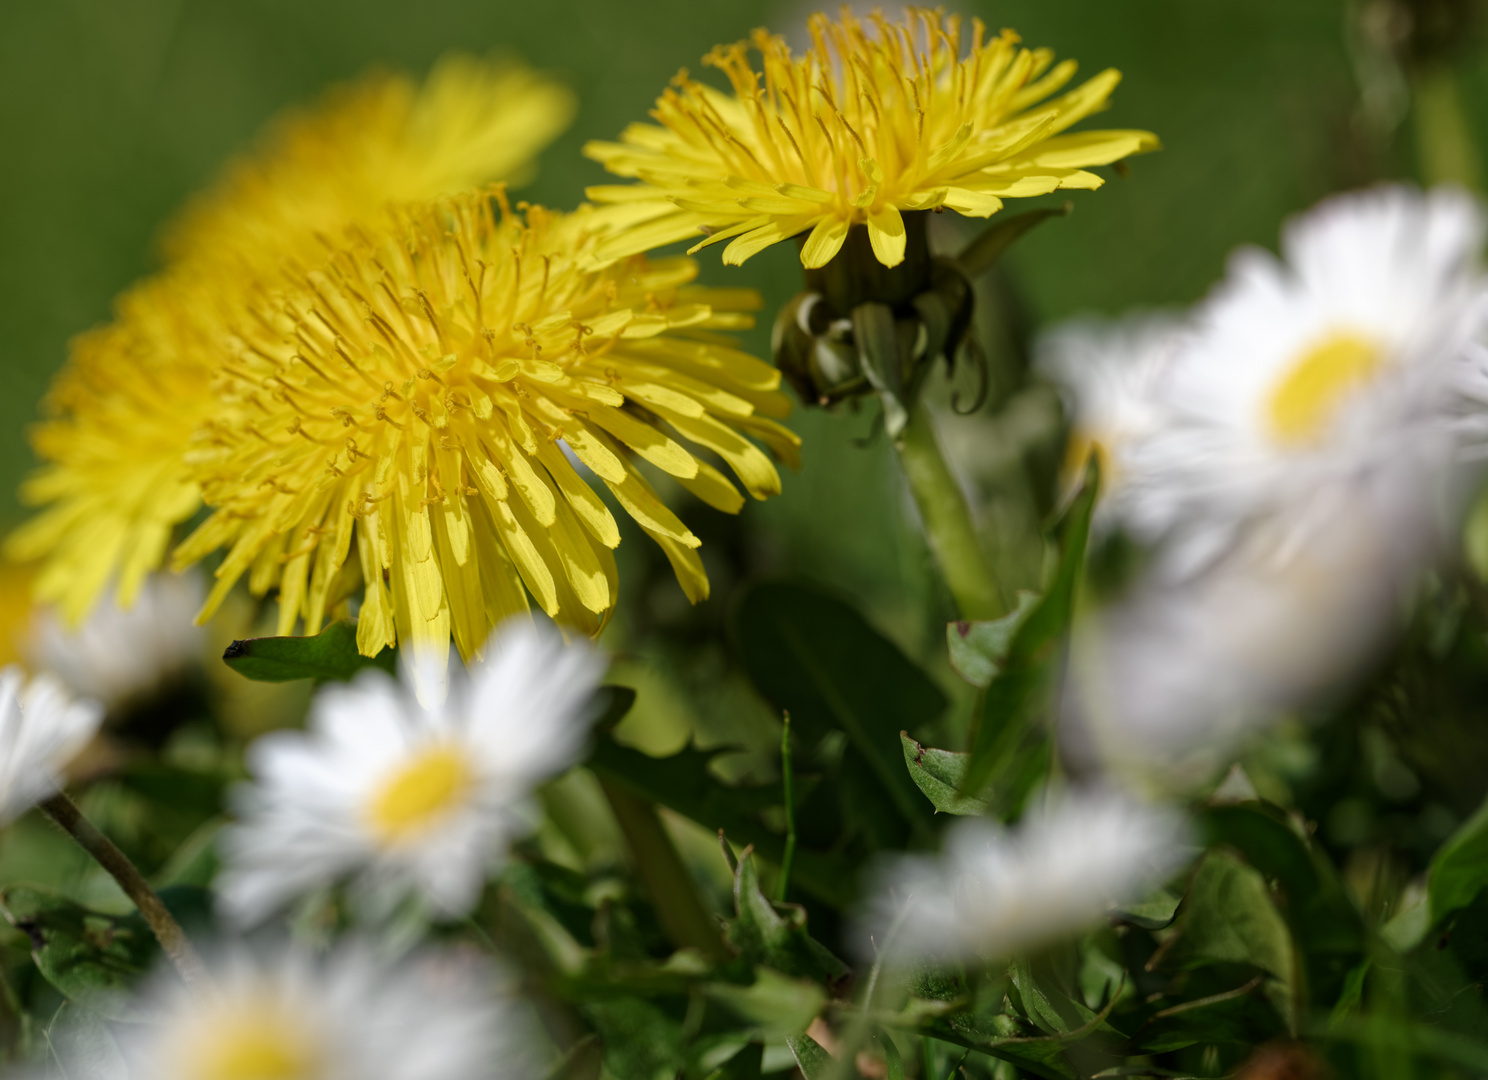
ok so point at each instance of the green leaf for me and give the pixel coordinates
(1017, 695)
(95, 960)
(815, 1063)
(1229, 916)
(892, 1060)
(1048, 1007)
(978, 649)
(1239, 1015)
(1156, 912)
(640, 1038)
(1459, 870)
(816, 657)
(1325, 923)
(982, 253)
(682, 783)
(939, 774)
(775, 935)
(331, 654)
(999, 1035)
(774, 1005)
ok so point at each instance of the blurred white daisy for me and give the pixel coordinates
(116, 656)
(996, 891)
(1165, 685)
(406, 800)
(1109, 373)
(1335, 362)
(42, 728)
(281, 1014)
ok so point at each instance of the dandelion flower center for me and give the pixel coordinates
(407, 411)
(1306, 399)
(420, 792)
(260, 1042)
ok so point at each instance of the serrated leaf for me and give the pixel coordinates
(94, 959)
(1017, 694)
(939, 774)
(764, 932)
(331, 654)
(816, 657)
(978, 649)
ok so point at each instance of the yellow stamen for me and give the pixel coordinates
(1304, 402)
(418, 793)
(254, 1044)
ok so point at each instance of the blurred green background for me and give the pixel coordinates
(113, 112)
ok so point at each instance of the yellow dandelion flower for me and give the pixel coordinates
(873, 121)
(378, 141)
(123, 410)
(417, 410)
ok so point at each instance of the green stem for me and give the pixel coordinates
(1444, 143)
(948, 525)
(788, 782)
(168, 932)
(674, 894)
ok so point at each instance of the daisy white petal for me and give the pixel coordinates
(348, 1016)
(118, 655)
(1167, 683)
(407, 800)
(1333, 363)
(42, 728)
(1109, 372)
(995, 891)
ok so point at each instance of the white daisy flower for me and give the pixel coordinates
(42, 728)
(1335, 362)
(407, 800)
(1165, 685)
(996, 891)
(116, 656)
(290, 1015)
(1109, 372)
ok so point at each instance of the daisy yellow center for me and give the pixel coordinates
(1307, 397)
(424, 789)
(255, 1044)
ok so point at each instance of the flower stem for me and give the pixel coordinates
(683, 915)
(788, 783)
(947, 519)
(168, 932)
(1444, 142)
